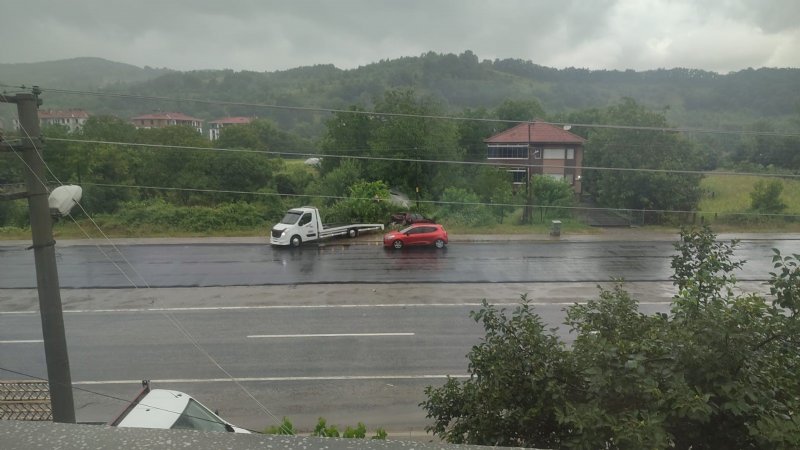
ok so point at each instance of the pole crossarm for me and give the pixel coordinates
(13, 195)
(17, 145)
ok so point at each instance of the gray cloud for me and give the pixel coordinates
(719, 35)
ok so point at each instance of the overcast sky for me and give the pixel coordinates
(266, 35)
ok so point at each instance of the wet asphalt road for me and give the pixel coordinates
(119, 336)
(204, 265)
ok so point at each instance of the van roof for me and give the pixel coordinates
(160, 408)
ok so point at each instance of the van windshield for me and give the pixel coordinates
(196, 417)
(291, 217)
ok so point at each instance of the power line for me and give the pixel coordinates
(316, 109)
(421, 160)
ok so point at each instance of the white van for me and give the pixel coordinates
(165, 409)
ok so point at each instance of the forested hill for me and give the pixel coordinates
(76, 73)
(690, 97)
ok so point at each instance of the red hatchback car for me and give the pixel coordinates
(417, 234)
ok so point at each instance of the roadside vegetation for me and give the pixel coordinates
(716, 372)
(174, 182)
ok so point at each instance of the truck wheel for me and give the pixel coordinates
(439, 243)
(296, 241)
(397, 244)
(352, 232)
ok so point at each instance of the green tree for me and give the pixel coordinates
(93, 164)
(367, 202)
(178, 159)
(405, 132)
(645, 157)
(766, 197)
(347, 134)
(262, 134)
(412, 136)
(552, 194)
(519, 111)
(336, 181)
(493, 187)
(471, 133)
(716, 372)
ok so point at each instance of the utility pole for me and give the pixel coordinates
(55, 341)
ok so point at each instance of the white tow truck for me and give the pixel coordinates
(304, 224)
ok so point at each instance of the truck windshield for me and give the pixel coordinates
(291, 217)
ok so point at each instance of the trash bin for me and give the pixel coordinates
(555, 229)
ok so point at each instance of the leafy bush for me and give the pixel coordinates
(14, 213)
(368, 202)
(717, 372)
(322, 429)
(160, 214)
(766, 197)
(285, 428)
(463, 207)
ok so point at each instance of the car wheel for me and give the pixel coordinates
(439, 243)
(397, 244)
(352, 232)
(296, 241)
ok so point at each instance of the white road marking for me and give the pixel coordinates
(328, 335)
(255, 379)
(23, 341)
(251, 308)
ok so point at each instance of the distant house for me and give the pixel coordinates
(215, 126)
(167, 119)
(72, 119)
(538, 148)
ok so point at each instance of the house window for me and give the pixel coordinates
(518, 175)
(507, 152)
(554, 153)
(570, 153)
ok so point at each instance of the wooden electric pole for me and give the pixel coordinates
(55, 341)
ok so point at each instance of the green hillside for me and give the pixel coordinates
(76, 73)
(689, 97)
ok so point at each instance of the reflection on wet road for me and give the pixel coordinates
(249, 265)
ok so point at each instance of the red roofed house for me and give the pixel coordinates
(161, 120)
(216, 126)
(538, 148)
(70, 118)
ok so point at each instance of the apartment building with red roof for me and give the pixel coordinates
(538, 148)
(73, 119)
(166, 119)
(215, 126)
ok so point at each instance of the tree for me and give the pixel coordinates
(716, 372)
(648, 156)
(471, 133)
(367, 202)
(405, 132)
(551, 193)
(519, 111)
(766, 197)
(262, 134)
(493, 186)
(410, 135)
